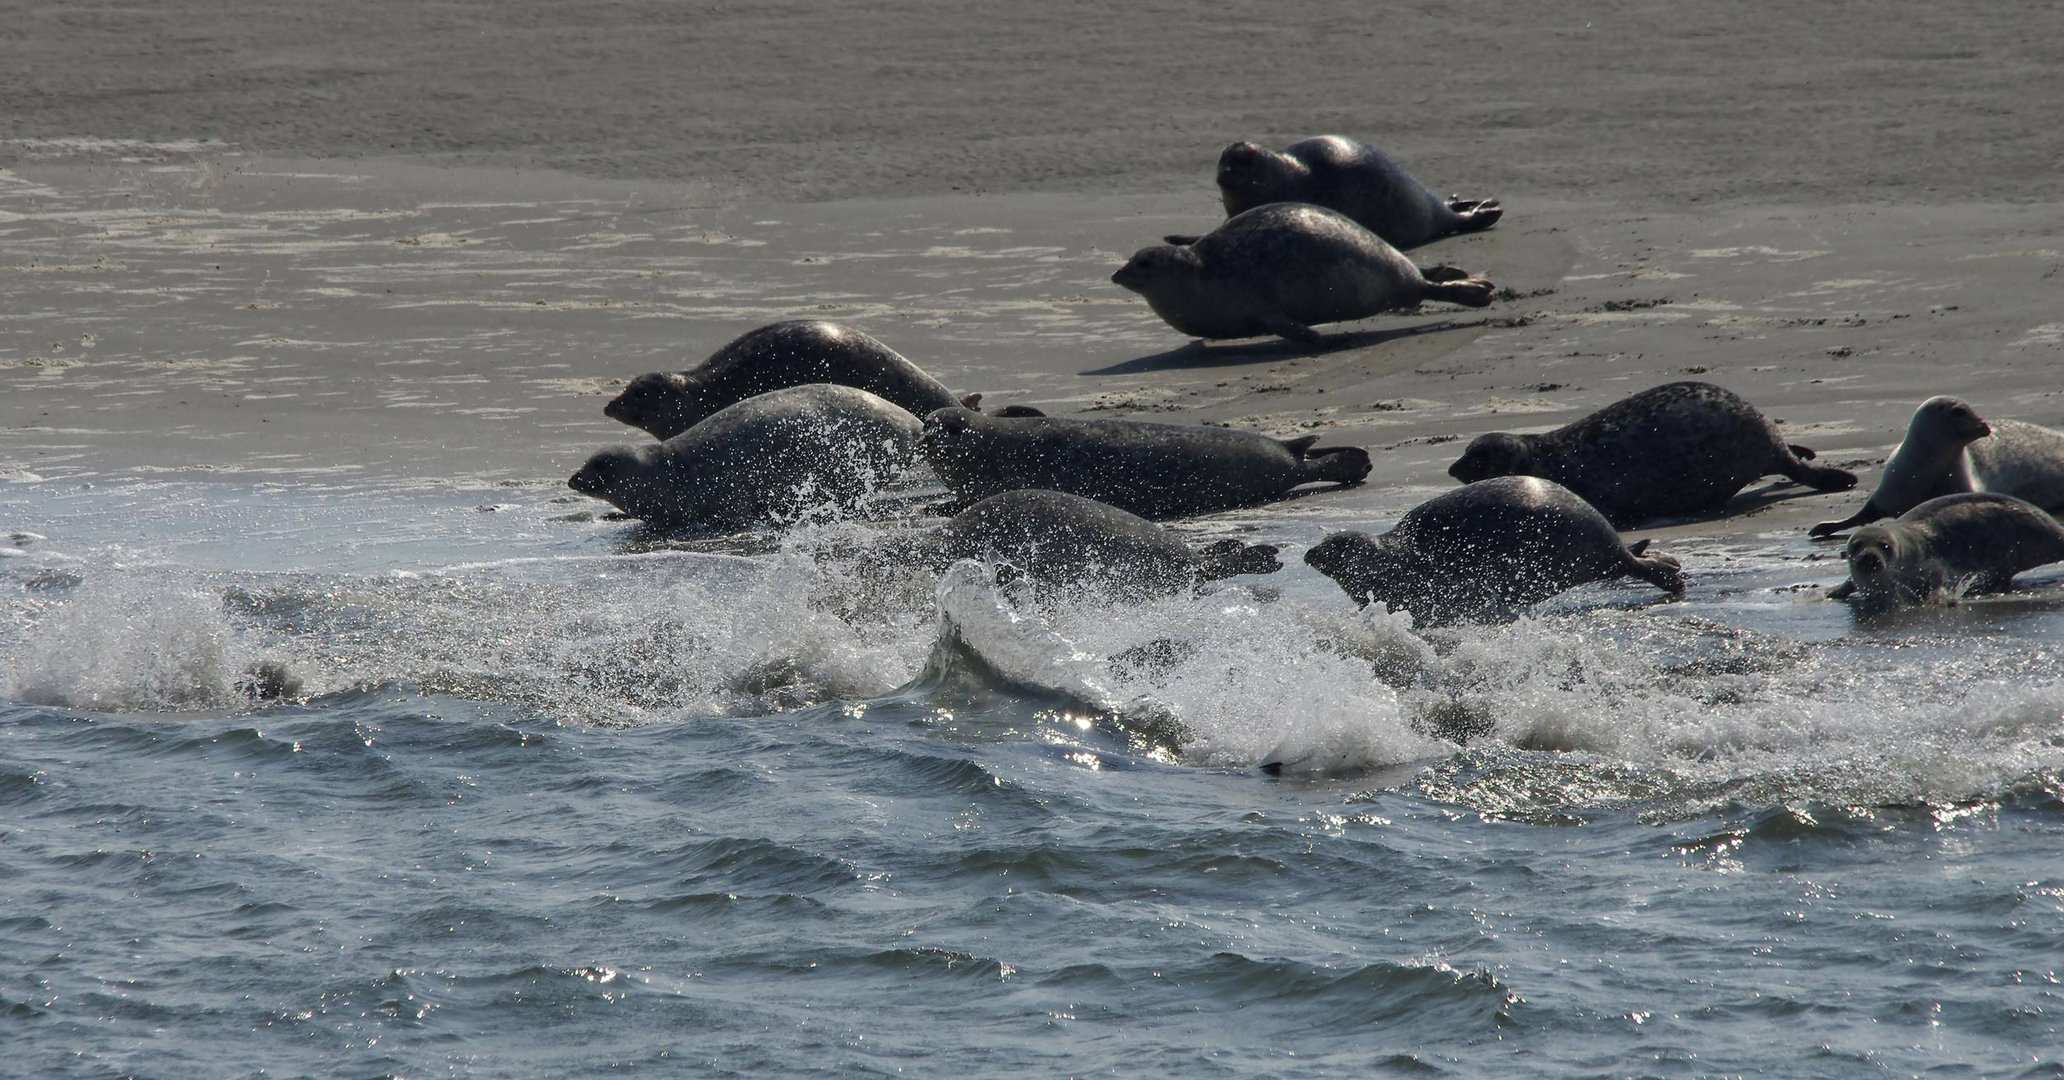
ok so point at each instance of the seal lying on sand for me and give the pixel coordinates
(1281, 268)
(1066, 540)
(1676, 449)
(1950, 449)
(1486, 550)
(1155, 470)
(1354, 178)
(765, 458)
(1956, 545)
(667, 403)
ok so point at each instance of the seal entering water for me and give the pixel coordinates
(1950, 449)
(1155, 470)
(783, 354)
(1675, 449)
(765, 458)
(1061, 539)
(1281, 268)
(1354, 178)
(1956, 545)
(1485, 551)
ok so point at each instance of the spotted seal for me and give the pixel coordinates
(1357, 179)
(1675, 449)
(764, 459)
(1279, 269)
(1485, 550)
(795, 353)
(1154, 470)
(1951, 546)
(1950, 449)
(1066, 540)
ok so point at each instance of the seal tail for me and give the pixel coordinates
(1660, 570)
(1225, 558)
(1468, 291)
(1336, 464)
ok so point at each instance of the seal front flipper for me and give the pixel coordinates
(1865, 516)
(1843, 591)
(1284, 326)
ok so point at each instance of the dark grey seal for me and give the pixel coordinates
(1066, 540)
(1280, 269)
(1956, 545)
(783, 354)
(1949, 449)
(1676, 449)
(1486, 550)
(1354, 178)
(1154, 470)
(766, 459)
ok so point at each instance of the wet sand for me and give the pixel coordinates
(380, 246)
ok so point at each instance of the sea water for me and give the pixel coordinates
(408, 780)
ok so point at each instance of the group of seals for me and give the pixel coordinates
(1949, 449)
(1353, 178)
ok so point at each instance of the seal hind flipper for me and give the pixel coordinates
(1468, 292)
(1475, 214)
(1225, 558)
(1803, 453)
(1662, 571)
(1443, 272)
(1865, 516)
(1301, 445)
(1010, 411)
(1180, 239)
(1818, 477)
(1339, 464)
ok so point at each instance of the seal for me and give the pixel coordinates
(1948, 547)
(1154, 470)
(1354, 178)
(1280, 269)
(1950, 449)
(1483, 551)
(1680, 448)
(783, 354)
(1066, 540)
(764, 460)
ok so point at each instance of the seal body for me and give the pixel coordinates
(1486, 550)
(667, 403)
(1955, 545)
(1676, 449)
(1354, 178)
(1949, 449)
(1067, 540)
(1282, 268)
(762, 460)
(1154, 470)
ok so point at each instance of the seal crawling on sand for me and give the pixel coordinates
(1950, 449)
(667, 403)
(1066, 540)
(1675, 449)
(765, 458)
(1956, 545)
(1354, 178)
(1485, 551)
(1155, 470)
(1280, 269)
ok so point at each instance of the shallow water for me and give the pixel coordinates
(543, 798)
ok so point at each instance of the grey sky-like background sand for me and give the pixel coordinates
(423, 240)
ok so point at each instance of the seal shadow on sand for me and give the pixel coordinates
(1198, 354)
